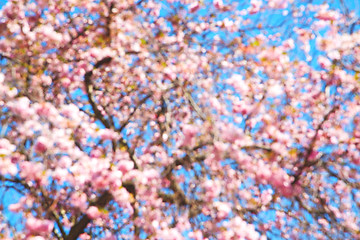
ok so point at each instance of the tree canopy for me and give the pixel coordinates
(178, 120)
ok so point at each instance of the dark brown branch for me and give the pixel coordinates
(80, 226)
(307, 162)
(89, 90)
(126, 122)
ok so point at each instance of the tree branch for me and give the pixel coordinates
(80, 226)
(89, 91)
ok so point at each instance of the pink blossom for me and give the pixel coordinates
(239, 229)
(114, 178)
(282, 182)
(170, 234)
(35, 238)
(45, 110)
(70, 111)
(49, 32)
(189, 132)
(79, 200)
(327, 15)
(100, 53)
(93, 212)
(196, 235)
(45, 80)
(334, 55)
(21, 107)
(121, 195)
(275, 90)
(278, 147)
(7, 166)
(40, 226)
(212, 189)
(6, 148)
(324, 62)
(16, 207)
(193, 7)
(64, 162)
(323, 222)
(288, 44)
(266, 196)
(237, 81)
(278, 3)
(32, 171)
(255, 6)
(85, 236)
(109, 236)
(125, 166)
(218, 4)
(263, 173)
(42, 145)
(107, 134)
(219, 149)
(150, 176)
(242, 107)
(223, 209)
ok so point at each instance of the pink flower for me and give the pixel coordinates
(278, 3)
(84, 236)
(39, 226)
(64, 162)
(71, 111)
(79, 200)
(237, 82)
(6, 148)
(212, 189)
(324, 62)
(196, 235)
(35, 238)
(193, 7)
(240, 106)
(218, 4)
(255, 6)
(219, 149)
(41, 145)
(7, 166)
(15, 207)
(275, 90)
(329, 15)
(239, 229)
(21, 107)
(93, 212)
(189, 132)
(288, 44)
(282, 182)
(121, 196)
(223, 209)
(107, 134)
(49, 32)
(323, 222)
(109, 236)
(266, 196)
(31, 171)
(263, 173)
(2, 77)
(170, 234)
(45, 110)
(125, 166)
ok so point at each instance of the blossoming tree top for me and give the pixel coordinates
(182, 119)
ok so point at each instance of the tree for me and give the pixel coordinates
(179, 119)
